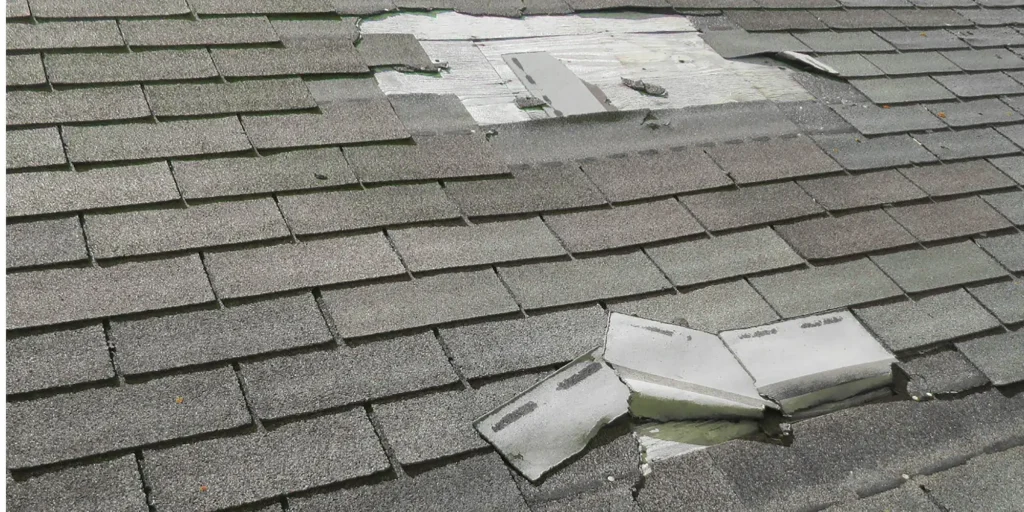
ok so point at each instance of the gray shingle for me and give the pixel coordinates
(957, 177)
(973, 143)
(999, 356)
(834, 237)
(1010, 204)
(948, 219)
(930, 4)
(432, 113)
(44, 242)
(291, 170)
(108, 485)
(843, 42)
(902, 90)
(933, 319)
(34, 193)
(987, 17)
(479, 482)
(79, 68)
(225, 98)
(1013, 132)
(858, 190)
(583, 280)
(25, 70)
(981, 84)
(34, 148)
(529, 190)
(991, 37)
(977, 112)
(690, 481)
(857, 19)
(58, 358)
(359, 121)
(874, 3)
(432, 248)
(424, 301)
(106, 8)
(930, 18)
(503, 346)
(204, 32)
(751, 205)
(740, 43)
(920, 270)
(431, 157)
(285, 386)
(736, 254)
(922, 40)
(372, 207)
(814, 117)
(304, 32)
(872, 120)
(290, 458)
(714, 308)
(1004, 299)
(184, 339)
(1008, 250)
(262, 6)
(642, 175)
(63, 34)
(329, 57)
(624, 226)
(17, 9)
(364, 7)
(806, 291)
(943, 372)
(785, 158)
(1015, 102)
(850, 65)
(1013, 166)
(291, 266)
(65, 295)
(912, 63)
(394, 50)
(74, 425)
(988, 481)
(856, 152)
(764, 21)
(136, 141)
(76, 105)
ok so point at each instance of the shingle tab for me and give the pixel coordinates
(920, 270)
(65, 295)
(910, 325)
(424, 301)
(106, 8)
(432, 248)
(204, 32)
(930, 18)
(1004, 299)
(1013, 166)
(44, 242)
(912, 63)
(857, 19)
(624, 226)
(981, 84)
(361, 121)
(642, 175)
(74, 425)
(850, 65)
(949, 219)
(748, 252)
(714, 308)
(503, 346)
(529, 190)
(1013, 132)
(262, 6)
(806, 291)
(394, 50)
(291, 170)
(843, 42)
(34, 148)
(988, 481)
(991, 37)
(63, 34)
(231, 97)
(1008, 250)
(25, 70)
(834, 237)
(79, 68)
(902, 90)
(957, 177)
(947, 371)
(985, 60)
(432, 113)
(583, 280)
(922, 40)
(58, 358)
(332, 57)
(431, 157)
(785, 158)
(285, 386)
(76, 105)
(304, 32)
(751, 205)
(136, 141)
(858, 190)
(372, 207)
(290, 458)
(17, 9)
(1010, 204)
(763, 21)
(999, 357)
(977, 112)
(34, 193)
(108, 485)
(973, 143)
(872, 120)
(986, 17)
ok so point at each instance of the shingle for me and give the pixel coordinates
(930, 4)
(431, 157)
(292, 170)
(503, 346)
(610, 498)
(76, 105)
(920, 270)
(834, 237)
(991, 37)
(424, 301)
(529, 190)
(231, 97)
(943, 372)
(1010, 204)
(285, 386)
(740, 43)
(714, 308)
(306, 264)
(63, 34)
(1013, 166)
(689, 482)
(34, 148)
(751, 205)
(772, 160)
(79, 68)
(358, 121)
(1004, 299)
(136, 141)
(432, 248)
(624, 226)
(874, 3)
(936, 318)
(857, 153)
(286, 459)
(912, 63)
(973, 113)
(58, 358)
(44, 242)
(929, 18)
(642, 175)
(922, 40)
(33, 193)
(394, 50)
(985, 17)
(432, 113)
(304, 32)
(815, 117)
(828, 90)
(596, 5)
(262, 6)
(1015, 102)
(326, 58)
(957, 177)
(806, 291)
(65, 295)
(106, 8)
(859, 190)
(991, 481)
(948, 219)
(481, 482)
(1013, 132)
(74, 425)
(17, 9)
(204, 32)
(506, 8)
(999, 356)
(534, 7)
(762, 21)
(902, 90)
(1008, 250)
(108, 485)
(843, 42)
(372, 207)
(974, 143)
(860, 18)
(982, 84)
(583, 280)
(872, 120)
(748, 252)
(850, 65)
(25, 70)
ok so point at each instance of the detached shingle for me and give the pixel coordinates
(227, 98)
(108, 485)
(529, 190)
(949, 219)
(290, 458)
(75, 425)
(748, 252)
(920, 270)
(431, 157)
(643, 175)
(373, 207)
(43, 192)
(394, 50)
(63, 34)
(912, 63)
(25, 70)
(755, 161)
(637, 224)
(1010, 204)
(137, 141)
(44, 242)
(1008, 250)
(76, 105)
(761, 204)
(817, 289)
(936, 39)
(86, 68)
(107, 8)
(999, 357)
(285, 386)
(424, 301)
(873, 120)
(204, 32)
(65, 295)
(34, 148)
(859, 190)
(856, 152)
(432, 248)
(911, 325)
(59, 358)
(262, 6)
(902, 90)
(1004, 299)
(334, 57)
(279, 172)
(977, 112)
(974, 143)
(834, 237)
(957, 177)
(583, 280)
(291, 266)
(981, 84)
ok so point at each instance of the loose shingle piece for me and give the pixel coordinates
(401, 50)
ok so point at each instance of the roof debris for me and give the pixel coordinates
(645, 87)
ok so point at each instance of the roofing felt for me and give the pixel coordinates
(240, 275)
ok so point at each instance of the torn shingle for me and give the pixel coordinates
(226, 98)
(937, 39)
(76, 105)
(981, 84)
(432, 248)
(749, 252)
(1007, 249)
(912, 325)
(652, 175)
(58, 358)
(872, 120)
(751, 205)
(78, 68)
(279, 172)
(25, 70)
(855, 191)
(334, 57)
(431, 157)
(895, 64)
(973, 113)
(902, 90)
(137, 141)
(623, 226)
(43, 192)
(529, 190)
(730, 305)
(63, 34)
(948, 219)
(943, 372)
(372, 207)
(394, 50)
(957, 177)
(262, 6)
(920, 270)
(44, 242)
(1004, 299)
(204, 32)
(847, 235)
(107, 485)
(856, 152)
(1010, 204)
(432, 113)
(997, 356)
(34, 148)
(806, 291)
(788, 158)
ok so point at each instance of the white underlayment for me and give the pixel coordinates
(599, 48)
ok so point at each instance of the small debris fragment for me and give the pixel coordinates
(645, 87)
(611, 478)
(203, 488)
(942, 115)
(320, 176)
(525, 101)
(179, 400)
